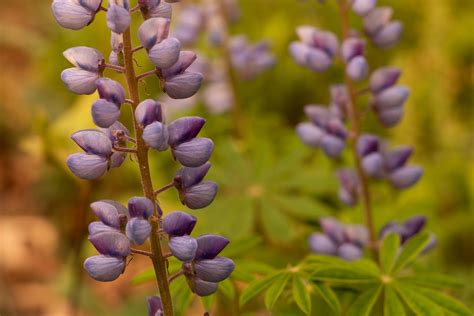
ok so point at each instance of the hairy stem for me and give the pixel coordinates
(159, 262)
(354, 117)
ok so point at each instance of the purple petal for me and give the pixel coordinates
(322, 244)
(351, 48)
(357, 68)
(155, 307)
(118, 18)
(349, 252)
(203, 288)
(356, 234)
(214, 270)
(405, 177)
(332, 228)
(383, 78)
(377, 19)
(138, 230)
(332, 145)
(156, 136)
(153, 31)
(114, 244)
(187, 177)
(178, 223)
(79, 81)
(104, 113)
(186, 58)
(148, 111)
(104, 268)
(85, 58)
(199, 195)
(184, 129)
(140, 207)
(367, 144)
(69, 14)
(86, 166)
(318, 60)
(389, 35)
(99, 227)
(391, 97)
(184, 85)
(391, 116)
(110, 90)
(194, 153)
(310, 134)
(163, 10)
(93, 142)
(412, 226)
(372, 164)
(363, 7)
(107, 213)
(209, 246)
(166, 53)
(299, 51)
(397, 157)
(183, 247)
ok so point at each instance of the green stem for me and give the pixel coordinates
(157, 258)
(354, 117)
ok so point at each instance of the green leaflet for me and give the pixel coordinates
(241, 246)
(392, 305)
(275, 223)
(411, 250)
(301, 294)
(275, 290)
(388, 252)
(442, 300)
(418, 303)
(363, 305)
(300, 206)
(434, 280)
(256, 287)
(343, 275)
(328, 296)
(226, 287)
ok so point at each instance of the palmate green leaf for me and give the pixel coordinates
(241, 246)
(442, 300)
(392, 305)
(328, 296)
(299, 206)
(316, 262)
(275, 290)
(410, 251)
(343, 275)
(244, 270)
(433, 280)
(388, 252)
(363, 305)
(417, 302)
(276, 224)
(301, 294)
(257, 287)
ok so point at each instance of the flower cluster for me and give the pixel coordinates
(201, 266)
(408, 229)
(337, 239)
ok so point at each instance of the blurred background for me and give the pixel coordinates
(272, 188)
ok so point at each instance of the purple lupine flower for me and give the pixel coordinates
(165, 53)
(187, 177)
(105, 113)
(163, 10)
(107, 213)
(178, 223)
(363, 7)
(117, 133)
(114, 244)
(183, 247)
(352, 51)
(93, 142)
(82, 78)
(156, 136)
(79, 81)
(155, 307)
(85, 58)
(189, 23)
(203, 288)
(153, 31)
(140, 207)
(383, 78)
(209, 246)
(73, 14)
(138, 230)
(148, 111)
(184, 129)
(199, 195)
(214, 270)
(397, 157)
(339, 99)
(184, 85)
(87, 166)
(378, 27)
(118, 17)
(388, 99)
(349, 186)
(186, 58)
(316, 49)
(194, 153)
(99, 227)
(405, 177)
(110, 90)
(369, 149)
(344, 241)
(104, 268)
(250, 60)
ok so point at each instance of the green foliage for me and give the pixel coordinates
(301, 294)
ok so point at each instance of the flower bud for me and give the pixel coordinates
(153, 31)
(104, 113)
(322, 244)
(86, 166)
(412, 226)
(79, 81)
(397, 157)
(155, 307)
(85, 58)
(389, 35)
(140, 207)
(178, 223)
(367, 144)
(357, 235)
(372, 164)
(203, 288)
(186, 58)
(116, 43)
(183, 247)
(390, 117)
(122, 210)
(318, 60)
(349, 252)
(209, 246)
(107, 213)
(214, 270)
(113, 244)
(166, 53)
(316, 38)
(309, 134)
(357, 68)
(376, 20)
(333, 229)
(118, 18)
(148, 111)
(194, 153)
(391, 97)
(351, 48)
(71, 15)
(163, 10)
(431, 244)
(184, 85)
(92, 5)
(390, 227)
(93, 142)
(405, 177)
(99, 227)
(199, 195)
(104, 268)
(383, 78)
(299, 51)
(184, 129)
(187, 177)
(155, 135)
(332, 145)
(349, 186)
(318, 114)
(110, 90)
(116, 133)
(363, 7)
(138, 230)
